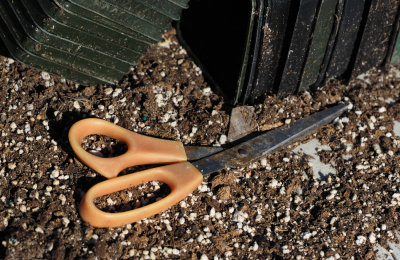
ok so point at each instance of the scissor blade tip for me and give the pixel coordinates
(341, 108)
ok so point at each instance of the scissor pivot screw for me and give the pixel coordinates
(242, 152)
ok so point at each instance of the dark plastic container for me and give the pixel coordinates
(275, 23)
(374, 44)
(219, 37)
(323, 31)
(251, 48)
(299, 45)
(346, 40)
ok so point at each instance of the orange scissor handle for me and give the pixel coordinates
(141, 149)
(182, 178)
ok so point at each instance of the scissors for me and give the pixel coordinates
(182, 176)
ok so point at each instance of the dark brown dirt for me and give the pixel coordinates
(273, 208)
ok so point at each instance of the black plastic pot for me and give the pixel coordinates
(251, 48)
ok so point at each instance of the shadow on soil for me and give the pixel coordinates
(3, 52)
(4, 236)
(59, 127)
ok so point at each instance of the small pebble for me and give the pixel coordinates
(76, 105)
(361, 240)
(117, 91)
(274, 184)
(203, 257)
(223, 139)
(39, 230)
(372, 238)
(263, 162)
(331, 195)
(12, 166)
(13, 126)
(212, 212)
(382, 110)
(207, 91)
(65, 221)
(306, 235)
(45, 75)
(108, 91)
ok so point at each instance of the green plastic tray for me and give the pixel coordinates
(181, 3)
(53, 54)
(43, 36)
(142, 11)
(122, 18)
(95, 17)
(77, 36)
(165, 7)
(30, 59)
(88, 42)
(65, 16)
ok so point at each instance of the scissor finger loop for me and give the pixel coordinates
(141, 149)
(182, 178)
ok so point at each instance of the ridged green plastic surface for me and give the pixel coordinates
(396, 54)
(319, 43)
(89, 42)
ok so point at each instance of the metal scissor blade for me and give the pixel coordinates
(267, 143)
(194, 153)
